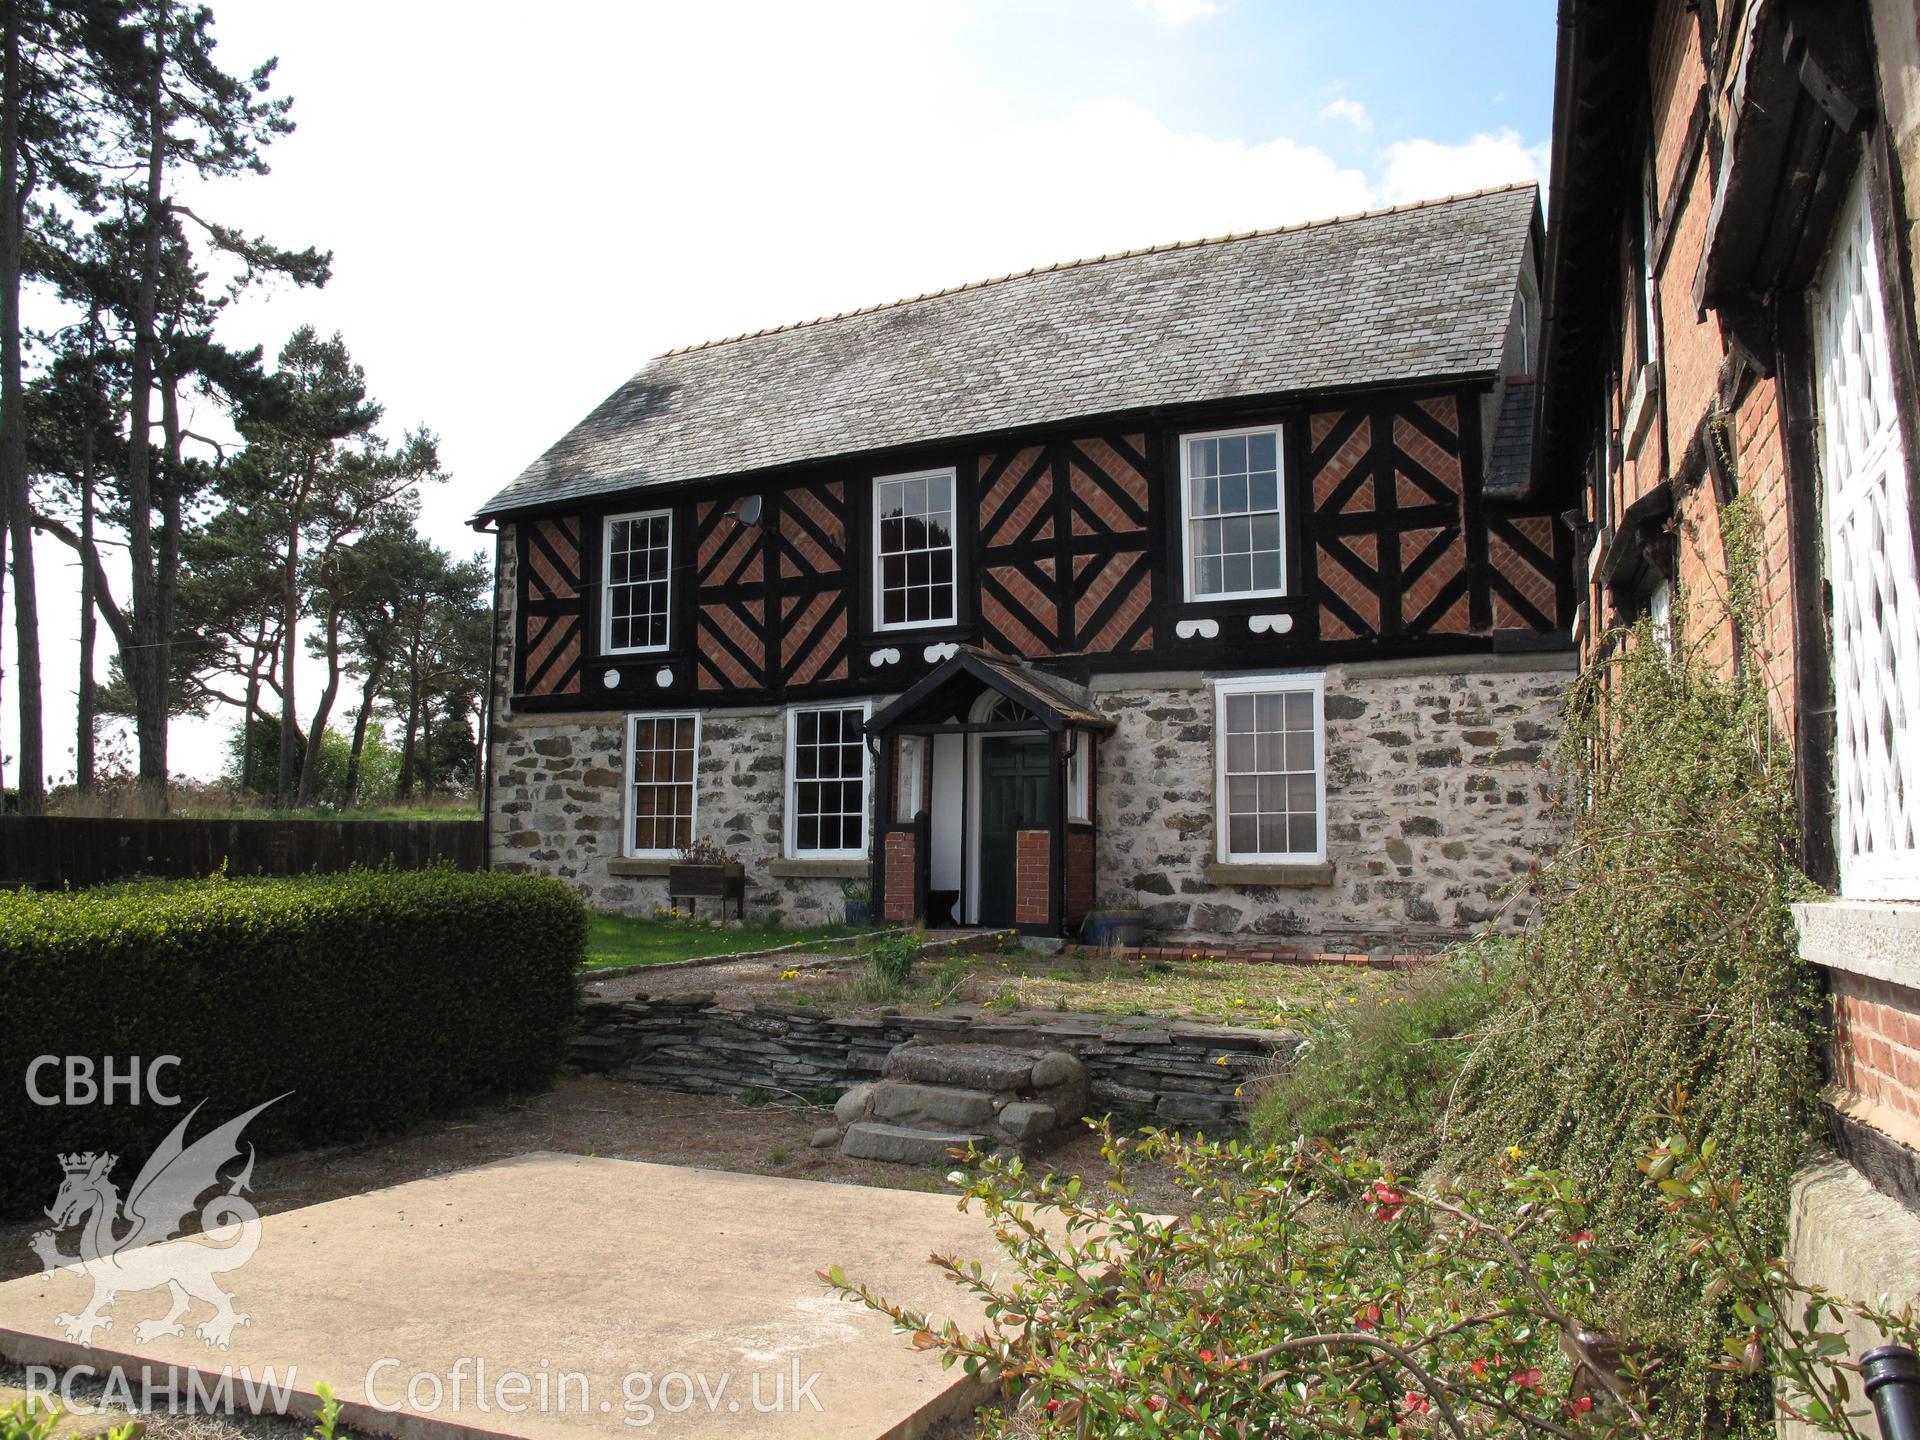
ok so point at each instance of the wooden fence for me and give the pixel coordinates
(51, 852)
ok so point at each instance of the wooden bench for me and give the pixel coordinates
(712, 882)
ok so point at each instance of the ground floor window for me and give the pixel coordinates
(1270, 797)
(827, 782)
(910, 777)
(661, 755)
(1079, 776)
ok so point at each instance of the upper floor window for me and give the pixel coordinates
(1872, 567)
(662, 751)
(1270, 770)
(1231, 514)
(637, 590)
(827, 782)
(914, 564)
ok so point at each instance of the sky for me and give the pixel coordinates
(525, 202)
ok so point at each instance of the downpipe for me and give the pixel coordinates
(1893, 1385)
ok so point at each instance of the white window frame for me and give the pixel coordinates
(607, 647)
(910, 774)
(1080, 777)
(1313, 682)
(952, 477)
(1187, 517)
(627, 847)
(790, 828)
(1875, 589)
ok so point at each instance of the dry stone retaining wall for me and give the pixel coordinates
(1172, 1072)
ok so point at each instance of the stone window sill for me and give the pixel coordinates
(1879, 939)
(625, 865)
(818, 869)
(1300, 876)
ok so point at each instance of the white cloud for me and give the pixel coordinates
(1175, 13)
(1423, 169)
(674, 174)
(1351, 111)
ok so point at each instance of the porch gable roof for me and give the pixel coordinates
(1055, 703)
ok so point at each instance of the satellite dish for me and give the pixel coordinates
(747, 512)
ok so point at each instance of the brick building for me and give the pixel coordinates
(1730, 311)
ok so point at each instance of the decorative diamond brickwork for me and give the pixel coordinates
(731, 623)
(812, 597)
(552, 606)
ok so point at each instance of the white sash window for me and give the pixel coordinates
(1870, 564)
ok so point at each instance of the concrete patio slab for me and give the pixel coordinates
(596, 1297)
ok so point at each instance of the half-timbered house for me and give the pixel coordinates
(1198, 579)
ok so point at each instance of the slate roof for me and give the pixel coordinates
(1509, 460)
(1418, 291)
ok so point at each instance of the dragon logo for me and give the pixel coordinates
(118, 1249)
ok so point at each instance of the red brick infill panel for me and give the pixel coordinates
(1032, 880)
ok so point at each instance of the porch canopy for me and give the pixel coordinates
(985, 778)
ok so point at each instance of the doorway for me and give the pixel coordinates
(1014, 795)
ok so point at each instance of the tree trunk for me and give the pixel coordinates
(147, 661)
(83, 721)
(246, 728)
(289, 644)
(310, 766)
(413, 720)
(13, 431)
(426, 747)
(363, 717)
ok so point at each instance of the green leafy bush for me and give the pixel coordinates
(891, 959)
(374, 997)
(1382, 1074)
(1310, 1292)
(1662, 957)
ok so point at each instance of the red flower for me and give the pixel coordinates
(1367, 1318)
(1478, 1367)
(1052, 1405)
(1528, 1379)
(1388, 1202)
(1582, 1238)
(1207, 1355)
(1581, 1406)
(1415, 1403)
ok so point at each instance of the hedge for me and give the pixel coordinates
(374, 997)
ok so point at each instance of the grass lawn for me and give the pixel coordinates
(1227, 992)
(629, 940)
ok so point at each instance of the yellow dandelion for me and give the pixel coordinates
(789, 974)
(1514, 1152)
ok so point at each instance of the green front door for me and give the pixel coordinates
(1014, 796)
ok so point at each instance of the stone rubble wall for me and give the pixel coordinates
(1170, 1072)
(1437, 805)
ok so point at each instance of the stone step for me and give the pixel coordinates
(907, 1103)
(872, 1140)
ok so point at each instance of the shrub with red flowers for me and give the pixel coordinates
(1307, 1292)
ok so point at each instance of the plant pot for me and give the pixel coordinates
(859, 912)
(1105, 928)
